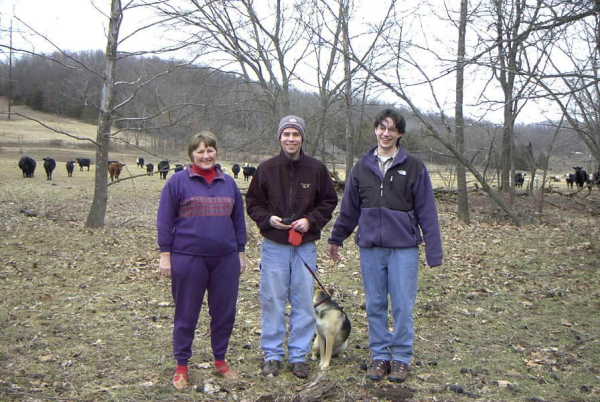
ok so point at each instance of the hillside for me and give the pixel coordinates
(21, 130)
(34, 135)
(20, 135)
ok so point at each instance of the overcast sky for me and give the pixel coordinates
(73, 24)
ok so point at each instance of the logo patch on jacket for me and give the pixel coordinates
(305, 186)
(402, 172)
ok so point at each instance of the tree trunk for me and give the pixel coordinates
(318, 146)
(461, 174)
(97, 212)
(540, 206)
(348, 92)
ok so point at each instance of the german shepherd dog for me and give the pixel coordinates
(333, 328)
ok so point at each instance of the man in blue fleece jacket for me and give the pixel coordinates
(390, 197)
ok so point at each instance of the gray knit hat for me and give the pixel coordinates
(291, 121)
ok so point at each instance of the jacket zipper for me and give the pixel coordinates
(380, 212)
(292, 178)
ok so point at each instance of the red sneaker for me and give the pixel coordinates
(224, 370)
(181, 380)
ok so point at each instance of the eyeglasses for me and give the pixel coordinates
(383, 129)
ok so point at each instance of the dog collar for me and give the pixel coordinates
(323, 300)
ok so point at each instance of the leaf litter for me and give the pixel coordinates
(511, 315)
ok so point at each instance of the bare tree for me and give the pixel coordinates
(321, 21)
(573, 83)
(349, 129)
(339, 80)
(459, 123)
(519, 51)
(263, 44)
(114, 95)
(105, 118)
(546, 164)
(399, 59)
(514, 21)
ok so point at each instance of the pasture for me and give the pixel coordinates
(511, 315)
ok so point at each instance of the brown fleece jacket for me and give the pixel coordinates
(297, 189)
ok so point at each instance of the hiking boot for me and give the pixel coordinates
(378, 369)
(301, 369)
(181, 380)
(271, 368)
(398, 371)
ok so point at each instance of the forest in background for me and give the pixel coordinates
(226, 105)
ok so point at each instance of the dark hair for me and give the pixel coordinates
(393, 114)
(203, 137)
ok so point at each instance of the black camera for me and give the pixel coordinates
(288, 220)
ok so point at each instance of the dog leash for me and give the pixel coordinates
(314, 275)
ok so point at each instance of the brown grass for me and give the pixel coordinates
(19, 129)
(26, 134)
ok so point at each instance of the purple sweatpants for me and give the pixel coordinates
(191, 276)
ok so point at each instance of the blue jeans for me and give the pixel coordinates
(393, 272)
(284, 278)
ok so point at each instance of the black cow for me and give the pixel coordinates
(140, 162)
(570, 180)
(150, 169)
(163, 169)
(70, 166)
(27, 165)
(581, 176)
(178, 167)
(49, 165)
(519, 179)
(596, 178)
(83, 162)
(236, 170)
(248, 172)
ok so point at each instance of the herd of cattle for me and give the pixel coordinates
(580, 178)
(247, 170)
(27, 165)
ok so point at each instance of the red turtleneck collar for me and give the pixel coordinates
(208, 174)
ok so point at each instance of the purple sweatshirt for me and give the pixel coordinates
(198, 218)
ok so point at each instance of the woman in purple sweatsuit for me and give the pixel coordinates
(202, 235)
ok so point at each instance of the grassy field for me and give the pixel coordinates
(511, 315)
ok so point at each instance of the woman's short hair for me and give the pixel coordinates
(203, 137)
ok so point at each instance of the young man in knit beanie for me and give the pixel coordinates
(291, 198)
